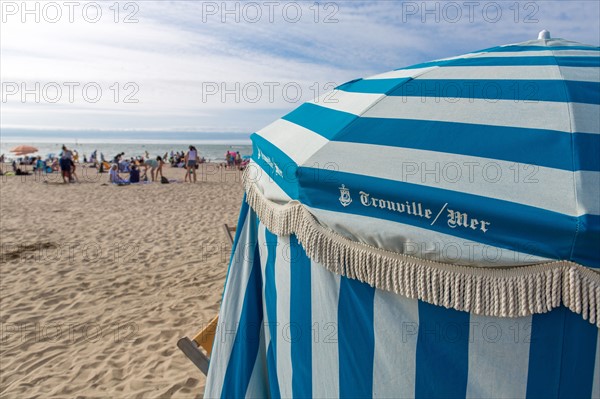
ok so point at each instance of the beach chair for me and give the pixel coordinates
(206, 336)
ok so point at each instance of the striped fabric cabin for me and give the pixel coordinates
(433, 231)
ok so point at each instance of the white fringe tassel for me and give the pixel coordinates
(501, 292)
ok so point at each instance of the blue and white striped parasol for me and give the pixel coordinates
(430, 231)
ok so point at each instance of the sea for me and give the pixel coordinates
(211, 146)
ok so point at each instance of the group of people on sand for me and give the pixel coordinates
(136, 168)
(177, 159)
(233, 160)
(66, 164)
(156, 168)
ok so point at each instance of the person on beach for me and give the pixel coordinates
(74, 177)
(40, 167)
(114, 177)
(134, 174)
(153, 164)
(191, 159)
(117, 158)
(66, 159)
(238, 160)
(159, 170)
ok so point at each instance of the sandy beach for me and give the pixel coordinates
(98, 282)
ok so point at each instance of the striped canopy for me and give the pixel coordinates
(427, 232)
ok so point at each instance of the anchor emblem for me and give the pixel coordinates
(345, 199)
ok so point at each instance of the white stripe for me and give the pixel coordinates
(585, 118)
(596, 379)
(258, 386)
(231, 308)
(508, 72)
(588, 192)
(263, 251)
(540, 187)
(304, 142)
(511, 73)
(413, 72)
(270, 189)
(443, 107)
(498, 357)
(402, 73)
(284, 347)
(525, 72)
(396, 325)
(421, 243)
(347, 101)
(325, 290)
(576, 53)
(513, 54)
(589, 74)
(440, 105)
(550, 43)
(535, 53)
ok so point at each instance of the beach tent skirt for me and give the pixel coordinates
(290, 328)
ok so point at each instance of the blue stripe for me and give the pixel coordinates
(272, 373)
(540, 147)
(488, 89)
(512, 226)
(578, 357)
(247, 339)
(587, 242)
(300, 321)
(547, 148)
(323, 121)
(276, 163)
(499, 89)
(543, 377)
(271, 306)
(356, 338)
(592, 61)
(442, 364)
(510, 49)
(562, 355)
(585, 62)
(517, 227)
(583, 92)
(587, 148)
(374, 86)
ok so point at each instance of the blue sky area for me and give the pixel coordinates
(235, 66)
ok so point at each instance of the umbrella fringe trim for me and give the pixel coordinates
(501, 292)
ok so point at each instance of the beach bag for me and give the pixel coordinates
(164, 180)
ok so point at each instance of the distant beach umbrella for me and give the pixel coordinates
(391, 224)
(24, 150)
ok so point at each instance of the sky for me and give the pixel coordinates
(234, 66)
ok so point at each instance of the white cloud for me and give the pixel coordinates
(178, 50)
